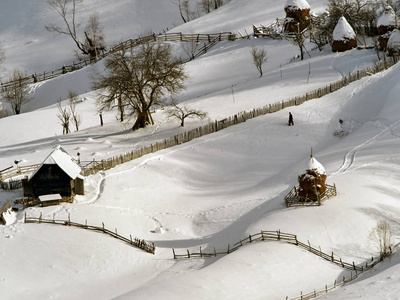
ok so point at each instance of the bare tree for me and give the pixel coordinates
(17, 93)
(94, 38)
(184, 11)
(382, 238)
(299, 39)
(140, 78)
(65, 116)
(184, 112)
(67, 9)
(75, 117)
(259, 56)
(190, 48)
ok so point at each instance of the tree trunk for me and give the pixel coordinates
(141, 121)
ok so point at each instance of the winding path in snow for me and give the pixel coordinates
(350, 156)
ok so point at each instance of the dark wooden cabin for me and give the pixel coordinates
(58, 174)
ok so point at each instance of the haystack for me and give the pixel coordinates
(313, 182)
(344, 37)
(297, 15)
(386, 24)
(393, 45)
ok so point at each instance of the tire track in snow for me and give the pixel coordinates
(350, 157)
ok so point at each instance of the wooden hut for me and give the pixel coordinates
(297, 15)
(59, 174)
(393, 45)
(386, 23)
(312, 183)
(344, 37)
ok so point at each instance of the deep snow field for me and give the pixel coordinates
(214, 190)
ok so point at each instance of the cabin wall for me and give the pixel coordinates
(51, 179)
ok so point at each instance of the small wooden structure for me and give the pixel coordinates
(297, 15)
(312, 189)
(58, 174)
(344, 37)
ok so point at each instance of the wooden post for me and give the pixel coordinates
(40, 217)
(228, 248)
(201, 254)
(53, 218)
(215, 252)
(250, 238)
(25, 218)
(354, 266)
(188, 253)
(130, 237)
(116, 232)
(69, 219)
(103, 225)
(309, 245)
(173, 251)
(332, 257)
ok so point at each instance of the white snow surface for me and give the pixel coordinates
(297, 4)
(215, 190)
(343, 30)
(314, 164)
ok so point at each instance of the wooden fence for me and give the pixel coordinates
(290, 239)
(135, 242)
(275, 236)
(294, 199)
(211, 39)
(217, 125)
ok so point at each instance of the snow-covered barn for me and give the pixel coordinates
(344, 37)
(59, 174)
(297, 15)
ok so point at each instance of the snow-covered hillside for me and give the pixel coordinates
(215, 190)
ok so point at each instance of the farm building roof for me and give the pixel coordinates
(61, 158)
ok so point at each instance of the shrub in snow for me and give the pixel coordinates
(344, 37)
(297, 15)
(382, 238)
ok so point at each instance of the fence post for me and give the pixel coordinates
(173, 251)
(250, 238)
(201, 254)
(69, 219)
(188, 253)
(40, 217)
(103, 226)
(228, 248)
(116, 232)
(215, 252)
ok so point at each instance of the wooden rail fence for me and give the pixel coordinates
(290, 239)
(210, 40)
(92, 167)
(135, 242)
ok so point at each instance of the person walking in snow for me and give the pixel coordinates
(291, 123)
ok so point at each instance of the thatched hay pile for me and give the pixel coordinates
(386, 24)
(297, 15)
(344, 37)
(393, 45)
(313, 182)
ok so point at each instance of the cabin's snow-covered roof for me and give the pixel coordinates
(394, 40)
(297, 4)
(388, 18)
(61, 158)
(343, 31)
(314, 164)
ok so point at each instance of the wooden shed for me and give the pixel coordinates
(297, 15)
(344, 37)
(58, 174)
